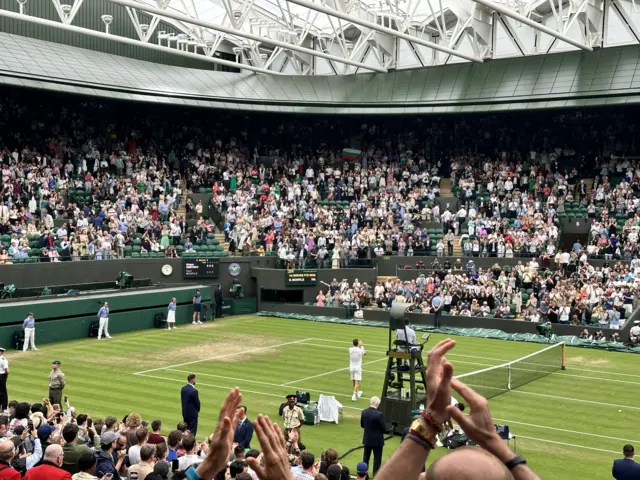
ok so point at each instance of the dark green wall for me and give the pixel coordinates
(75, 328)
(88, 16)
(74, 306)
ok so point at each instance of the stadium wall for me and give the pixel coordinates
(68, 318)
(275, 280)
(49, 274)
(451, 321)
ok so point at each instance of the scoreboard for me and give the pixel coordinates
(201, 268)
(301, 278)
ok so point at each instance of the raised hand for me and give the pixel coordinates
(439, 374)
(478, 425)
(220, 448)
(276, 462)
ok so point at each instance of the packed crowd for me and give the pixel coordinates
(575, 293)
(291, 188)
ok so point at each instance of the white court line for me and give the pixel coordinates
(329, 373)
(227, 388)
(564, 430)
(569, 444)
(257, 382)
(267, 394)
(502, 360)
(583, 377)
(241, 352)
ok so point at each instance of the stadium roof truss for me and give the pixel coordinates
(337, 37)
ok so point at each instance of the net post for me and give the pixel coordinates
(509, 380)
(564, 364)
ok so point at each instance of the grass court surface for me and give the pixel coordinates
(567, 424)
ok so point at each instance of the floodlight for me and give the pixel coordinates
(107, 19)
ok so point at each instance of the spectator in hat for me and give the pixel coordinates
(74, 450)
(29, 327)
(362, 471)
(56, 383)
(44, 435)
(104, 456)
(86, 467)
(51, 466)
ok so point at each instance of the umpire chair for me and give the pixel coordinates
(405, 383)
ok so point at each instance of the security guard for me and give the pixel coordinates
(56, 383)
(292, 414)
(4, 373)
(29, 327)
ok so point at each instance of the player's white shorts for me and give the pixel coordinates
(356, 373)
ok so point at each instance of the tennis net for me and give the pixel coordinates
(493, 381)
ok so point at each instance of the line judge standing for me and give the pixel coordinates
(29, 326)
(103, 318)
(372, 421)
(4, 374)
(171, 314)
(56, 383)
(190, 404)
(197, 307)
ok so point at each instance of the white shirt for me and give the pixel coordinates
(186, 461)
(4, 365)
(411, 335)
(134, 455)
(355, 357)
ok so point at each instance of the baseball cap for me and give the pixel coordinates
(56, 361)
(45, 431)
(31, 313)
(362, 467)
(108, 437)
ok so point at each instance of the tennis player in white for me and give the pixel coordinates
(355, 366)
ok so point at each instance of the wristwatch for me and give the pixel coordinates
(425, 434)
(515, 461)
(191, 473)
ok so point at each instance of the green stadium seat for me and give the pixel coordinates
(135, 255)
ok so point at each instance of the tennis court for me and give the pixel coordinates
(566, 422)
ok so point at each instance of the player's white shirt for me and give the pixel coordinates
(355, 357)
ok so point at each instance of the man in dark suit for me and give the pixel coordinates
(372, 421)
(190, 404)
(244, 430)
(626, 468)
